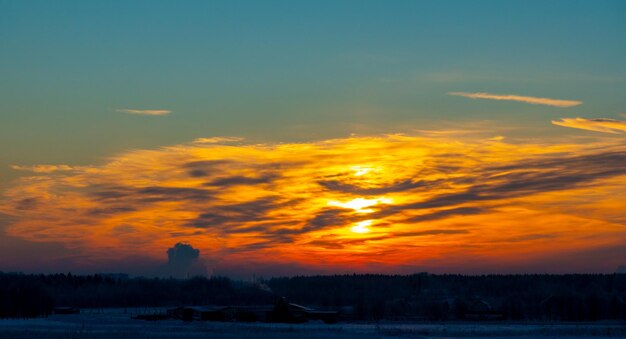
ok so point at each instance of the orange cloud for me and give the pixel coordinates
(43, 168)
(216, 140)
(351, 204)
(519, 98)
(597, 125)
(144, 111)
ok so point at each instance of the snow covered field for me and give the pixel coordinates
(117, 323)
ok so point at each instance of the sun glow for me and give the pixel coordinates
(360, 205)
(362, 226)
(361, 170)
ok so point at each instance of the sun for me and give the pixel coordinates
(362, 226)
(360, 205)
(360, 170)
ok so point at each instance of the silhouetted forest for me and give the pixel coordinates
(417, 297)
(576, 297)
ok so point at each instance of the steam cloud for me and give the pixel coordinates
(183, 261)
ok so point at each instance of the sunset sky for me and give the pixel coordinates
(282, 138)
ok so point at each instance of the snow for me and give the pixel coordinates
(106, 323)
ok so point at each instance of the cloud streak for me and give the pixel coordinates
(216, 140)
(597, 125)
(44, 168)
(155, 112)
(519, 98)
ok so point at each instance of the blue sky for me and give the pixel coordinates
(287, 70)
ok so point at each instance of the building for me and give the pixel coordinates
(281, 312)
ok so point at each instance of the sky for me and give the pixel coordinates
(281, 138)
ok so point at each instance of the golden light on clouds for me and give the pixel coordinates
(519, 98)
(391, 201)
(597, 125)
(153, 112)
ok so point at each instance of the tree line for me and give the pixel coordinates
(536, 297)
(367, 297)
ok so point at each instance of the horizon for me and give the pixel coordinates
(257, 279)
(254, 139)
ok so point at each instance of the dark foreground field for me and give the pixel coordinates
(116, 323)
